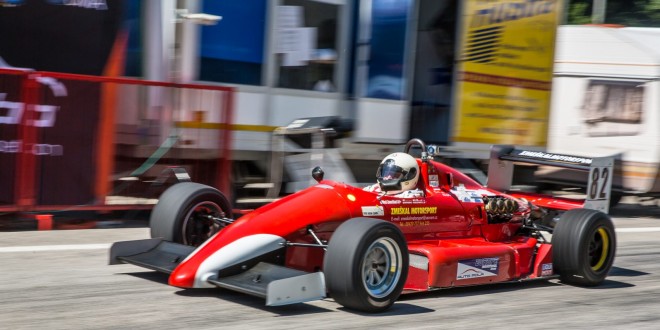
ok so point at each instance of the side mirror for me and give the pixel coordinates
(317, 174)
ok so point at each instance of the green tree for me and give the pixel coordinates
(642, 13)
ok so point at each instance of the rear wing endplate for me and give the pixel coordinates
(599, 187)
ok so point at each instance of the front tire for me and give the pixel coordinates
(583, 247)
(182, 213)
(366, 264)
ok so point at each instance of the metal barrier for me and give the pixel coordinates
(77, 142)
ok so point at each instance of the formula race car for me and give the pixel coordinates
(364, 248)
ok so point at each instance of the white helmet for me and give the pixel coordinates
(398, 172)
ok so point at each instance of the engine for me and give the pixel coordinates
(499, 208)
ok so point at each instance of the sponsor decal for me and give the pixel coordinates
(373, 211)
(561, 158)
(418, 218)
(434, 181)
(414, 201)
(388, 202)
(415, 223)
(546, 270)
(414, 210)
(467, 195)
(475, 268)
(414, 216)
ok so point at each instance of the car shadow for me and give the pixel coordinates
(479, 290)
(496, 288)
(627, 272)
(399, 308)
(152, 276)
(403, 306)
(610, 284)
(253, 302)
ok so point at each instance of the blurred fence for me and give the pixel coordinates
(75, 142)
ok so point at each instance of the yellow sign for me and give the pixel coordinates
(505, 71)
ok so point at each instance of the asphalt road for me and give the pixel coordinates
(60, 280)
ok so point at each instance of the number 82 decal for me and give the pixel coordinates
(598, 182)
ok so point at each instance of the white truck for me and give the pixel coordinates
(605, 101)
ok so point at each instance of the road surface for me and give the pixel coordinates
(60, 280)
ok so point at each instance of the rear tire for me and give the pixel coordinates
(182, 213)
(366, 264)
(583, 247)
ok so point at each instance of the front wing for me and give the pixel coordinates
(278, 285)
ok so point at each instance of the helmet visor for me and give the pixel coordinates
(389, 172)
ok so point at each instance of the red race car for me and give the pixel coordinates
(364, 248)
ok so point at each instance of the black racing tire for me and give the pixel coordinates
(181, 214)
(366, 264)
(583, 247)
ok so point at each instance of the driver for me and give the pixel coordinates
(397, 175)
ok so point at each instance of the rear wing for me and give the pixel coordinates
(599, 187)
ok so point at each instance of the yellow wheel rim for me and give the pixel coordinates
(604, 251)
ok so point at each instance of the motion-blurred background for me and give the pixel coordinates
(102, 102)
